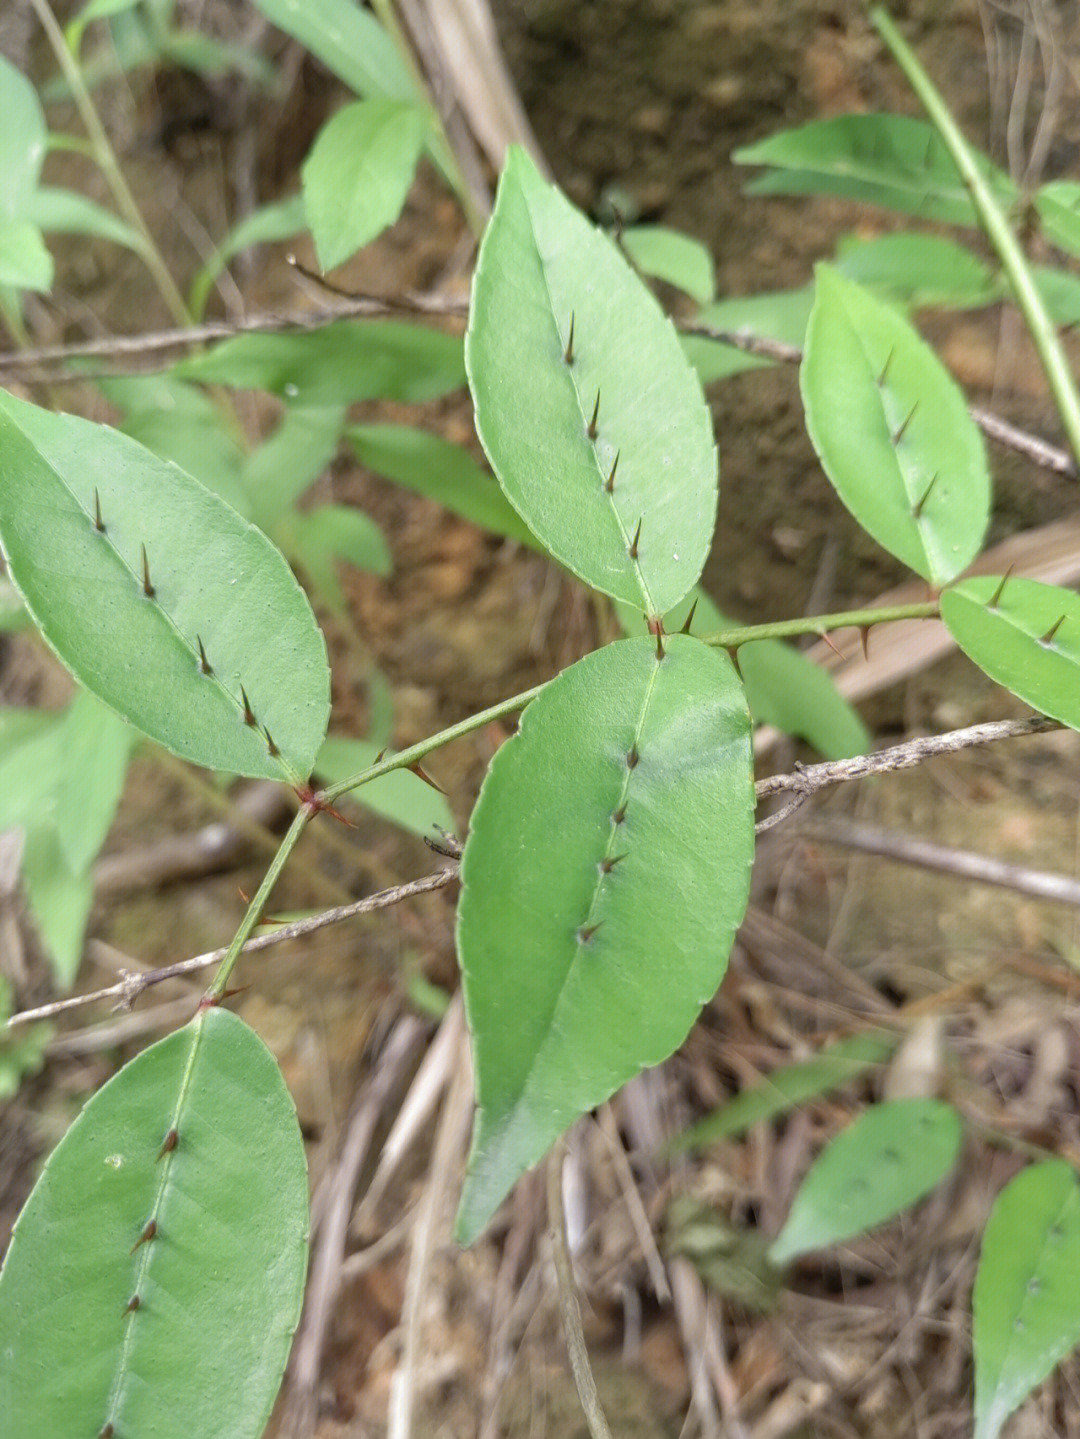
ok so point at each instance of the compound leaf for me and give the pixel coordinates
(889, 1158)
(607, 867)
(1023, 634)
(1025, 1313)
(892, 431)
(541, 267)
(213, 579)
(142, 1270)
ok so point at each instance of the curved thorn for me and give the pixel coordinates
(592, 429)
(633, 550)
(422, 774)
(864, 635)
(204, 663)
(733, 655)
(689, 620)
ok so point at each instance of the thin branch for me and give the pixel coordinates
(568, 1300)
(133, 985)
(944, 859)
(806, 780)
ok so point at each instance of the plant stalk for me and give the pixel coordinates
(998, 231)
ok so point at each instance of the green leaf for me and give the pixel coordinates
(1010, 628)
(888, 1159)
(287, 463)
(606, 870)
(540, 264)
(1060, 292)
(1025, 1313)
(892, 431)
(22, 141)
(93, 10)
(59, 898)
(399, 796)
(673, 257)
(208, 56)
(786, 1088)
(220, 1282)
(429, 465)
(359, 172)
(318, 538)
(888, 160)
(64, 212)
(178, 422)
(214, 577)
(780, 315)
(349, 41)
(95, 748)
(783, 687)
(1058, 208)
(914, 270)
(337, 364)
(22, 1050)
(280, 220)
(25, 262)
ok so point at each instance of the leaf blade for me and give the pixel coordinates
(541, 985)
(892, 431)
(540, 263)
(214, 577)
(230, 1207)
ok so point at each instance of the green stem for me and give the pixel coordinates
(811, 625)
(258, 904)
(993, 221)
(107, 162)
(821, 624)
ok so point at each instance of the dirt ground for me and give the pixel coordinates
(640, 101)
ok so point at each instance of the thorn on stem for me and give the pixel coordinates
(592, 429)
(204, 663)
(148, 588)
(171, 1140)
(609, 483)
(864, 636)
(689, 620)
(420, 773)
(98, 522)
(838, 653)
(568, 353)
(633, 550)
(733, 655)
